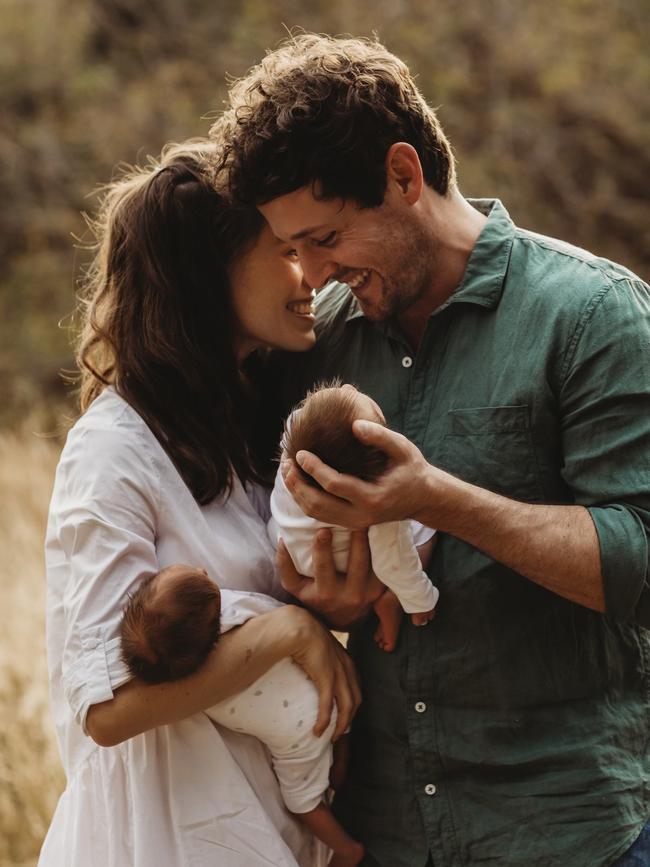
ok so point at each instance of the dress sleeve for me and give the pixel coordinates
(103, 512)
(605, 408)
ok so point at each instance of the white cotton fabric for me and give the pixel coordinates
(393, 551)
(280, 709)
(184, 795)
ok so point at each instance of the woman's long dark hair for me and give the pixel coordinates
(158, 322)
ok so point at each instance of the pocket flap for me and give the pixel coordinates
(487, 419)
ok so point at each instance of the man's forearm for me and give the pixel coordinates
(554, 546)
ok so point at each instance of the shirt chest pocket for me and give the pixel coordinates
(492, 447)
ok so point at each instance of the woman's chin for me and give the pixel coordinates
(300, 342)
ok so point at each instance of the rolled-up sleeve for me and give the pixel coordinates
(103, 515)
(605, 401)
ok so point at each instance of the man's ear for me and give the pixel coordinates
(404, 171)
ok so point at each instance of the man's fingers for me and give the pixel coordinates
(358, 577)
(311, 464)
(337, 484)
(290, 578)
(325, 580)
(323, 506)
(394, 444)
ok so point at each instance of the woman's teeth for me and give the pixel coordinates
(357, 281)
(301, 307)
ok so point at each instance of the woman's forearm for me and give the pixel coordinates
(241, 656)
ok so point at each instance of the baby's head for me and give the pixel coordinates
(322, 425)
(170, 624)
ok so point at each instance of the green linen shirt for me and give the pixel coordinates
(512, 730)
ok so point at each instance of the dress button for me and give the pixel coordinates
(430, 789)
(407, 361)
(420, 706)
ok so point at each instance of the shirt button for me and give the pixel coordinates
(407, 361)
(430, 789)
(420, 706)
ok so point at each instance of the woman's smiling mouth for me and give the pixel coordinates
(303, 307)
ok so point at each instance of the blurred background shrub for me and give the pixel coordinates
(547, 106)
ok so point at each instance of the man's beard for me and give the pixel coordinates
(407, 278)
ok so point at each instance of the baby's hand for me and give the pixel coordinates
(421, 619)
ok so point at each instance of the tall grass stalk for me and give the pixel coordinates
(31, 777)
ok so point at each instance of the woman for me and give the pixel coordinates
(163, 467)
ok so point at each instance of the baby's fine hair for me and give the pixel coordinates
(162, 642)
(322, 425)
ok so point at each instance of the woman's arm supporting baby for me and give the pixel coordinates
(170, 626)
(238, 660)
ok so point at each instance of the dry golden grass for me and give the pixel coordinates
(31, 777)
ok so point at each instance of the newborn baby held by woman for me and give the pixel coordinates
(171, 624)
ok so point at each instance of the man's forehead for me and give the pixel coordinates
(300, 213)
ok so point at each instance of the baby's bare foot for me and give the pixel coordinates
(422, 618)
(349, 858)
(389, 612)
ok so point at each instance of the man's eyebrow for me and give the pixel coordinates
(308, 231)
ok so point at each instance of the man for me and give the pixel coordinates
(513, 729)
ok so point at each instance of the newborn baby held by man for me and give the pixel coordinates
(400, 550)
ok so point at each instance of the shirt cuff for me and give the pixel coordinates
(95, 674)
(624, 558)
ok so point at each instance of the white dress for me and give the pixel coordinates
(182, 795)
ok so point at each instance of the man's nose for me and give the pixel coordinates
(317, 269)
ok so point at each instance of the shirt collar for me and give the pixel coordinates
(486, 267)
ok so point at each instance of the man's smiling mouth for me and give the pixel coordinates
(359, 280)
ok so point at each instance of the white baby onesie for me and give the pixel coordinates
(395, 559)
(280, 709)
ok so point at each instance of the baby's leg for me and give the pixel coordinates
(389, 611)
(322, 824)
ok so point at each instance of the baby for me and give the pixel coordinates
(169, 626)
(322, 424)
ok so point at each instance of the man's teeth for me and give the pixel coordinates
(302, 307)
(358, 281)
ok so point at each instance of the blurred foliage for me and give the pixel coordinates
(547, 106)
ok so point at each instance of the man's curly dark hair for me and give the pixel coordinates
(323, 111)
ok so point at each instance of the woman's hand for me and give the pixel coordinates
(341, 600)
(329, 667)
(240, 657)
(403, 491)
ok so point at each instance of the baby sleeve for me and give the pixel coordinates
(396, 563)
